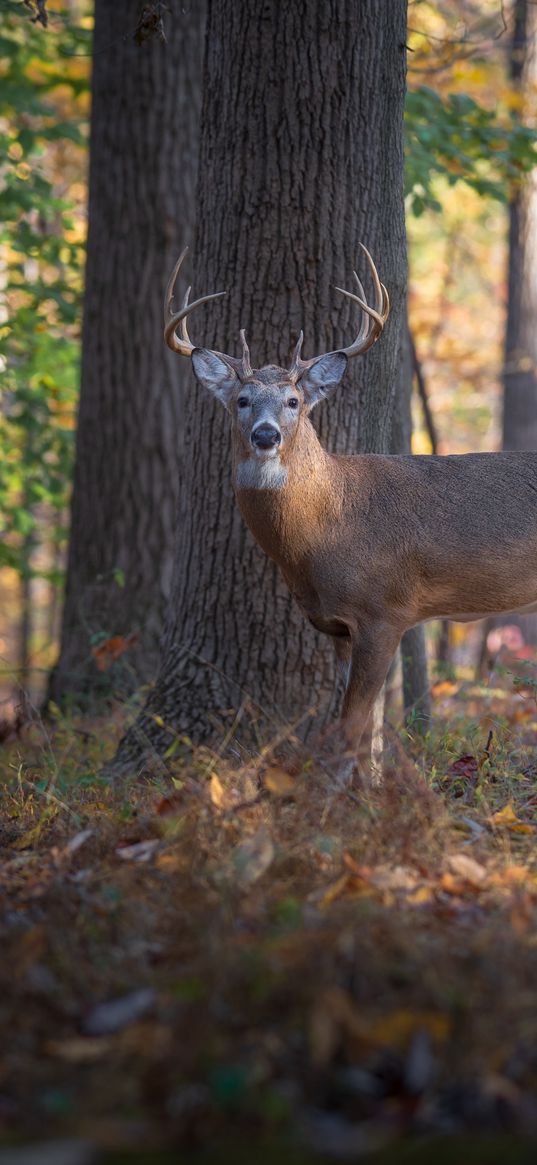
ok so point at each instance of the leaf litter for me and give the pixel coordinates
(222, 956)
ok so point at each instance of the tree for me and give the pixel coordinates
(519, 414)
(413, 650)
(520, 376)
(143, 160)
(301, 157)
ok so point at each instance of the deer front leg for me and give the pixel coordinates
(369, 651)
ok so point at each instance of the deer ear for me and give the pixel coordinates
(214, 374)
(323, 377)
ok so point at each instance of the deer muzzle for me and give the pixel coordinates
(265, 436)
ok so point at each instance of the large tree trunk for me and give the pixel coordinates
(143, 167)
(301, 157)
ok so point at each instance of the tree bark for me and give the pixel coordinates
(520, 367)
(143, 163)
(301, 157)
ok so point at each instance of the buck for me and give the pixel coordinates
(369, 545)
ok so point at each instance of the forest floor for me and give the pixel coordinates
(219, 962)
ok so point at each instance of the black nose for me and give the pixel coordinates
(266, 436)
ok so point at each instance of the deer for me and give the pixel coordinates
(369, 545)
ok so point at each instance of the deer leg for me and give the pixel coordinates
(371, 652)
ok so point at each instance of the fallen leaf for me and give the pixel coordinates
(78, 1049)
(278, 782)
(420, 896)
(106, 653)
(75, 843)
(466, 766)
(468, 869)
(505, 816)
(114, 1015)
(351, 884)
(172, 803)
(141, 851)
(398, 1027)
(508, 817)
(216, 791)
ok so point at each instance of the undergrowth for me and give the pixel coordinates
(219, 954)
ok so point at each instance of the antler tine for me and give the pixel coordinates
(183, 344)
(368, 332)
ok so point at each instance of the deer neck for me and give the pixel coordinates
(288, 502)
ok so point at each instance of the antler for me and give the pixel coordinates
(182, 343)
(368, 332)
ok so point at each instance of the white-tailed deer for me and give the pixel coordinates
(369, 545)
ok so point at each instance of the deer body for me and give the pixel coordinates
(369, 545)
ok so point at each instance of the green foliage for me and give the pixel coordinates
(459, 140)
(42, 136)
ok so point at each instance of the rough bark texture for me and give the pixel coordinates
(301, 157)
(144, 150)
(520, 369)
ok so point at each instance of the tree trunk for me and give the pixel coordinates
(143, 166)
(520, 368)
(301, 157)
(415, 677)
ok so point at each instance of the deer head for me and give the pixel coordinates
(267, 404)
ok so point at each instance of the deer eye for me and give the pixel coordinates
(292, 403)
(243, 402)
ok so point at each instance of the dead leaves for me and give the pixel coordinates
(110, 650)
(336, 1021)
(507, 818)
(462, 881)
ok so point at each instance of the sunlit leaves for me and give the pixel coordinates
(456, 138)
(43, 104)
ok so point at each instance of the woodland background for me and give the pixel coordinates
(218, 949)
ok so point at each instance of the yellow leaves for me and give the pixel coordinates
(216, 792)
(347, 884)
(397, 1028)
(508, 818)
(337, 1021)
(278, 782)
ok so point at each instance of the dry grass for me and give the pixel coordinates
(300, 971)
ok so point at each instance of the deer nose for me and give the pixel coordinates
(266, 436)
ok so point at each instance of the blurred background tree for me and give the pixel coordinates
(146, 95)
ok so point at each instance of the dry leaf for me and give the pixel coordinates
(106, 653)
(278, 782)
(351, 884)
(115, 1014)
(140, 851)
(396, 1028)
(216, 790)
(468, 869)
(421, 896)
(78, 1049)
(508, 817)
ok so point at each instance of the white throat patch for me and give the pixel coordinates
(255, 473)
